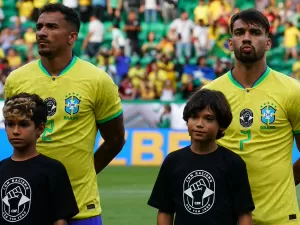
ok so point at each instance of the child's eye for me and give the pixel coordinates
(24, 124)
(9, 124)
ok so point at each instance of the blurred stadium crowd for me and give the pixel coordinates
(153, 49)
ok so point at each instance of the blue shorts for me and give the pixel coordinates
(97, 220)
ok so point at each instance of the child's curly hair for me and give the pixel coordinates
(26, 106)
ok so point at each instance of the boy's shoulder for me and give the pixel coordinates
(178, 154)
(50, 162)
(231, 157)
(3, 162)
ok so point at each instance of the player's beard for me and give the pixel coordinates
(247, 58)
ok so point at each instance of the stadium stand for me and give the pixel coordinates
(140, 51)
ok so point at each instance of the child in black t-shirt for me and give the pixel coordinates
(203, 184)
(35, 189)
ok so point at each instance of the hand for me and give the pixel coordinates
(110, 11)
(118, 13)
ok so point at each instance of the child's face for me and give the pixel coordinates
(203, 126)
(22, 132)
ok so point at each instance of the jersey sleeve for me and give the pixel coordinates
(8, 87)
(63, 203)
(240, 187)
(108, 103)
(293, 109)
(161, 196)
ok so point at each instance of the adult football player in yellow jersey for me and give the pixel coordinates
(81, 100)
(266, 118)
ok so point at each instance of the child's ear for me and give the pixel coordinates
(40, 129)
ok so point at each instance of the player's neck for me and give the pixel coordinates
(56, 64)
(204, 147)
(248, 74)
(22, 154)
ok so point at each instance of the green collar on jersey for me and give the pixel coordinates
(260, 79)
(66, 69)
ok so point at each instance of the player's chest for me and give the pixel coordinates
(66, 99)
(262, 112)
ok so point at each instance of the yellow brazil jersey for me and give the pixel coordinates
(265, 119)
(81, 96)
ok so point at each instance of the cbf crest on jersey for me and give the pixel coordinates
(268, 111)
(198, 192)
(15, 199)
(72, 105)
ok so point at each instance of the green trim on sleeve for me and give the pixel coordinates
(296, 132)
(111, 117)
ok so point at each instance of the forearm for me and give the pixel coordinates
(245, 219)
(60, 222)
(165, 218)
(106, 153)
(296, 170)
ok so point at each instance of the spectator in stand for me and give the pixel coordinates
(200, 38)
(109, 68)
(114, 10)
(1, 13)
(168, 91)
(6, 39)
(183, 28)
(169, 10)
(296, 69)
(30, 39)
(133, 6)
(126, 90)
(149, 48)
(85, 10)
(73, 4)
(98, 9)
(165, 63)
(157, 78)
(150, 8)
(25, 8)
(118, 39)
(136, 74)
(201, 13)
(132, 29)
(147, 90)
(94, 38)
(14, 59)
(291, 37)
(123, 65)
(166, 46)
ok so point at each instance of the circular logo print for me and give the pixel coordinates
(246, 117)
(51, 106)
(16, 199)
(198, 192)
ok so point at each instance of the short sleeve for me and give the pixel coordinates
(7, 88)
(293, 108)
(161, 196)
(63, 202)
(240, 187)
(108, 103)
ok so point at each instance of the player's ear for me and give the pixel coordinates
(269, 44)
(230, 44)
(73, 37)
(40, 129)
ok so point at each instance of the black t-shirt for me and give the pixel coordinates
(210, 189)
(133, 34)
(35, 192)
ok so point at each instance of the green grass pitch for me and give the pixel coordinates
(124, 192)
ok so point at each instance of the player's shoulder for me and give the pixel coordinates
(218, 83)
(89, 70)
(24, 71)
(284, 80)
